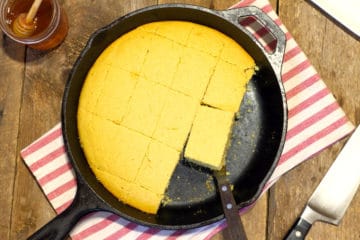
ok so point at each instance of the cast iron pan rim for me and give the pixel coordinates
(79, 175)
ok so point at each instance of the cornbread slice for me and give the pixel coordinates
(227, 87)
(145, 107)
(176, 120)
(209, 136)
(207, 40)
(193, 73)
(112, 105)
(236, 55)
(157, 167)
(153, 67)
(121, 52)
(115, 146)
(130, 192)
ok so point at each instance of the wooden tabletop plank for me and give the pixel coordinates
(11, 84)
(334, 54)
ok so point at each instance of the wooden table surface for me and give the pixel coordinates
(32, 84)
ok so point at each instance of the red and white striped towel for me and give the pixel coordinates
(315, 122)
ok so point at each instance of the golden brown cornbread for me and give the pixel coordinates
(193, 79)
(112, 142)
(226, 98)
(140, 100)
(176, 119)
(145, 107)
(209, 137)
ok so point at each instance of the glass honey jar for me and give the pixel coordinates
(51, 23)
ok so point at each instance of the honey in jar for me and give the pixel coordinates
(51, 24)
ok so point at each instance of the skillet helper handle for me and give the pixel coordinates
(299, 230)
(235, 228)
(275, 57)
(60, 226)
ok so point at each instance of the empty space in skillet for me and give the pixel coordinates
(256, 137)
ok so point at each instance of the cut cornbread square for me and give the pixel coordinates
(121, 52)
(189, 79)
(145, 107)
(116, 93)
(147, 200)
(208, 138)
(176, 120)
(177, 31)
(235, 54)
(157, 167)
(129, 192)
(130, 147)
(200, 35)
(121, 150)
(91, 90)
(159, 64)
(227, 87)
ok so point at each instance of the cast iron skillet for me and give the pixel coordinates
(257, 140)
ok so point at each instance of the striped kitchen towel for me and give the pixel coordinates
(315, 122)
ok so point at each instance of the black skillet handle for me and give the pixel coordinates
(276, 57)
(60, 226)
(299, 230)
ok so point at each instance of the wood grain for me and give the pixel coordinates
(11, 84)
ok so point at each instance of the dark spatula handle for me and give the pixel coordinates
(299, 230)
(235, 228)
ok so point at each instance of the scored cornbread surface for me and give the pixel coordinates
(140, 98)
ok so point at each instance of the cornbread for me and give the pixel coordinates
(189, 79)
(145, 106)
(226, 98)
(161, 91)
(176, 119)
(115, 142)
(209, 137)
